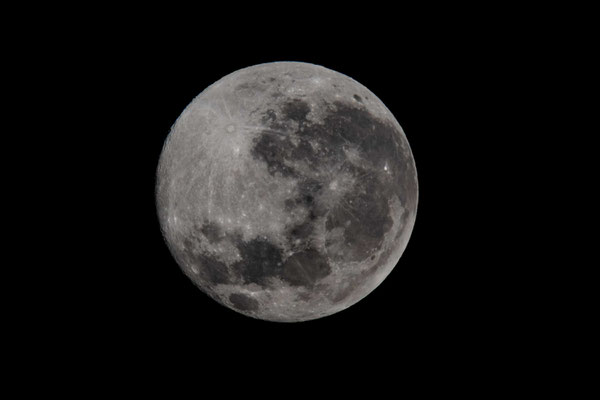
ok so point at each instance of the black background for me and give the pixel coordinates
(475, 89)
(447, 299)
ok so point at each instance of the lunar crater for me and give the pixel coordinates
(286, 191)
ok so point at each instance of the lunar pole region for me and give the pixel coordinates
(286, 191)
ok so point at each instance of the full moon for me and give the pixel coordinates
(286, 191)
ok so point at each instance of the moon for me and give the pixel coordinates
(286, 191)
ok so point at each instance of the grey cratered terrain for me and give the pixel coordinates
(286, 191)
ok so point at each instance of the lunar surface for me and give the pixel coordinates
(286, 191)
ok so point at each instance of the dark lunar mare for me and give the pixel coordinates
(211, 270)
(363, 212)
(305, 268)
(243, 302)
(260, 260)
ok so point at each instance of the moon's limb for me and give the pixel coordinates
(287, 191)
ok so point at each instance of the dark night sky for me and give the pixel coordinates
(445, 293)
(104, 304)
